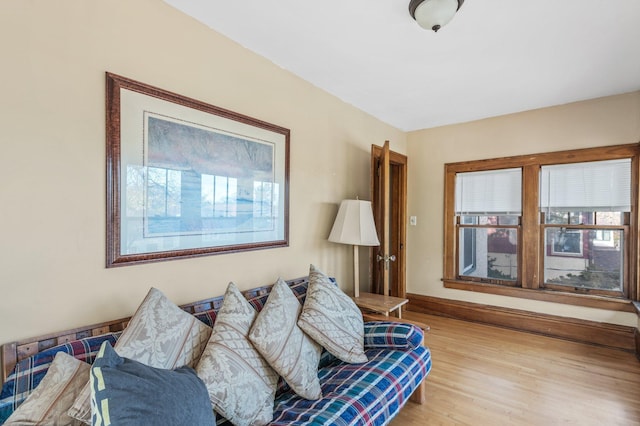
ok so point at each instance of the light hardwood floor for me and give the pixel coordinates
(484, 375)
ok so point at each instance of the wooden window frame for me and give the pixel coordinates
(530, 259)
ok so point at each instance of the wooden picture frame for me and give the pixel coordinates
(185, 178)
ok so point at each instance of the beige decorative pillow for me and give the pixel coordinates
(332, 319)
(284, 345)
(49, 402)
(240, 382)
(160, 335)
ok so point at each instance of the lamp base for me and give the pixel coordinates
(356, 272)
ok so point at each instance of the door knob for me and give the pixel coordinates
(386, 258)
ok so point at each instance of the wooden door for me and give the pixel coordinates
(389, 189)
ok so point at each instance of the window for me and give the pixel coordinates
(580, 202)
(488, 208)
(488, 248)
(559, 223)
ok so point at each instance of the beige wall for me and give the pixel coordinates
(599, 122)
(52, 166)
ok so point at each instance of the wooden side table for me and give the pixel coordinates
(379, 303)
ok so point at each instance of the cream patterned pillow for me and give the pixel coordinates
(240, 382)
(49, 402)
(332, 319)
(160, 335)
(284, 345)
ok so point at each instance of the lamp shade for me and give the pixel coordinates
(354, 224)
(433, 14)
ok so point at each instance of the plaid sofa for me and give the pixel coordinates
(353, 394)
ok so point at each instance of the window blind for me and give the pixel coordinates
(592, 186)
(489, 192)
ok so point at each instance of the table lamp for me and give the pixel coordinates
(354, 225)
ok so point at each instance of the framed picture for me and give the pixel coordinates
(185, 178)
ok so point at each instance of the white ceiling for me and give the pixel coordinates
(495, 57)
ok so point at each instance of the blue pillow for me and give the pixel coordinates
(126, 392)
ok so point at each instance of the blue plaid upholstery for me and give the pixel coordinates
(353, 394)
(207, 317)
(28, 373)
(359, 394)
(299, 290)
(391, 335)
(356, 394)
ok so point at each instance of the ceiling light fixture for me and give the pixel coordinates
(433, 14)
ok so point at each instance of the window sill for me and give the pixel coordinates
(599, 302)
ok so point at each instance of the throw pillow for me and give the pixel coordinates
(284, 345)
(125, 392)
(29, 372)
(332, 319)
(160, 335)
(49, 402)
(240, 382)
